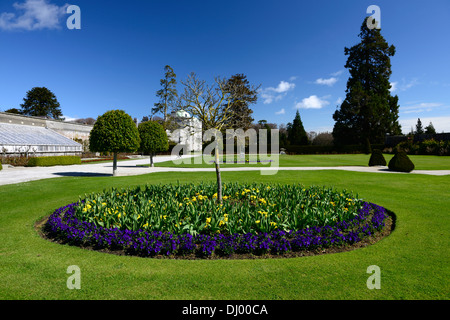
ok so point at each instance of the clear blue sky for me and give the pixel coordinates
(294, 49)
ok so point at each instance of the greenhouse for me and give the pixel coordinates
(24, 140)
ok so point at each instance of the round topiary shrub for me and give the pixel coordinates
(377, 158)
(401, 162)
(188, 221)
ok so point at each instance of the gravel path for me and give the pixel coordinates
(11, 175)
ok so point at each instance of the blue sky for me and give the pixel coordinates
(293, 49)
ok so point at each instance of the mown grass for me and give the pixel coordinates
(322, 160)
(414, 259)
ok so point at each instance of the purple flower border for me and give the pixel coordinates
(64, 227)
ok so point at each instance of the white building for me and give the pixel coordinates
(34, 136)
(188, 132)
(16, 139)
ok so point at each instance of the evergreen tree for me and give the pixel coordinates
(41, 102)
(14, 111)
(369, 111)
(419, 128)
(430, 129)
(296, 132)
(239, 112)
(167, 94)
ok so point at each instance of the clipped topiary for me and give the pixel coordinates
(401, 162)
(377, 158)
(153, 138)
(114, 131)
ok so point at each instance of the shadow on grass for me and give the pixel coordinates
(82, 174)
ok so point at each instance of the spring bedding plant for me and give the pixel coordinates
(187, 219)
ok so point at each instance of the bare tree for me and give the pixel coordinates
(211, 104)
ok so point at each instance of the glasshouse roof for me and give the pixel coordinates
(13, 134)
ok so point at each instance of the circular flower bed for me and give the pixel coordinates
(187, 220)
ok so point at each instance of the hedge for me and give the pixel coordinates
(425, 147)
(377, 158)
(1, 166)
(53, 161)
(311, 149)
(401, 162)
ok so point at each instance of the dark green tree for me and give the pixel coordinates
(41, 102)
(369, 111)
(153, 139)
(114, 131)
(14, 111)
(167, 94)
(296, 132)
(239, 110)
(419, 127)
(430, 129)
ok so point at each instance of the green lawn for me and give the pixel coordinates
(414, 259)
(420, 162)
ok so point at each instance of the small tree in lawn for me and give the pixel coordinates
(153, 138)
(212, 105)
(114, 131)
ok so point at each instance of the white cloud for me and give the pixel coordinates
(420, 107)
(293, 78)
(34, 15)
(338, 73)
(409, 84)
(268, 98)
(404, 85)
(329, 82)
(282, 111)
(271, 94)
(393, 86)
(339, 100)
(312, 102)
(283, 86)
(68, 118)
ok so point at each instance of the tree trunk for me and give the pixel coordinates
(219, 178)
(115, 164)
(151, 160)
